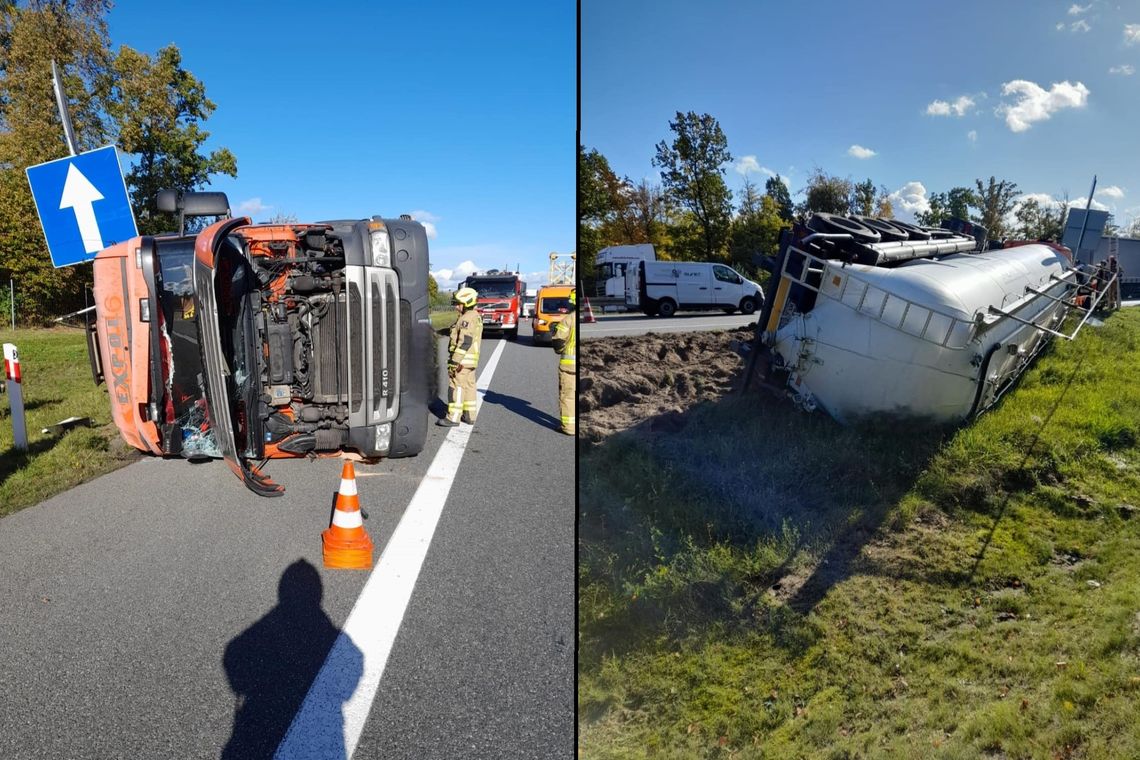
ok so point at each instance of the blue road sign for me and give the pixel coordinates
(83, 205)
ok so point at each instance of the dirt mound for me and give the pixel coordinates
(624, 381)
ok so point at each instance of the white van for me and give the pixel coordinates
(664, 287)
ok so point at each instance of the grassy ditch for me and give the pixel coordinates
(760, 583)
(442, 320)
(57, 384)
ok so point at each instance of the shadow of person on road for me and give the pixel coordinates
(522, 408)
(271, 665)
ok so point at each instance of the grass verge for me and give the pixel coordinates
(761, 583)
(56, 384)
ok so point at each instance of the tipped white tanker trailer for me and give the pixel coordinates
(873, 317)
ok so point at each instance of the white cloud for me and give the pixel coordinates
(1131, 33)
(1060, 25)
(252, 207)
(858, 151)
(1076, 10)
(749, 165)
(942, 108)
(1037, 104)
(972, 135)
(1080, 26)
(1112, 191)
(428, 220)
(909, 199)
(448, 278)
(1080, 203)
(1126, 69)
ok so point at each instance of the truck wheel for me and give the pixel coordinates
(666, 307)
(512, 334)
(748, 305)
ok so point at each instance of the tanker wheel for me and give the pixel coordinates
(748, 305)
(834, 223)
(666, 307)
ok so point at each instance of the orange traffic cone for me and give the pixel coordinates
(346, 544)
(589, 315)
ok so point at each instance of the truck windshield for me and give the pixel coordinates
(185, 394)
(555, 305)
(493, 288)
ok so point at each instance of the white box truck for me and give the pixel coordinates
(612, 263)
(664, 287)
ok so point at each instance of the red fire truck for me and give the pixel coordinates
(500, 300)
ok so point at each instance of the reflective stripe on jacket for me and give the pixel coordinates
(466, 335)
(565, 339)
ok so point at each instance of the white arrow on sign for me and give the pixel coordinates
(79, 195)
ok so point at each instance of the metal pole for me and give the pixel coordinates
(61, 102)
(1085, 222)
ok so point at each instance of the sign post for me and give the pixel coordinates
(15, 396)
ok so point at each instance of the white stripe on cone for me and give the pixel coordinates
(347, 487)
(347, 519)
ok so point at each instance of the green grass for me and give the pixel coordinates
(56, 384)
(769, 584)
(441, 320)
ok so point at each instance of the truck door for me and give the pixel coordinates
(727, 286)
(230, 351)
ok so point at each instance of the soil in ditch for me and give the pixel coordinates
(653, 379)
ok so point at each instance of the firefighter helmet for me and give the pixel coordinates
(466, 297)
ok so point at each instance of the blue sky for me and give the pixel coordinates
(461, 114)
(920, 97)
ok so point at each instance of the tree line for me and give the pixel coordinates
(150, 106)
(690, 215)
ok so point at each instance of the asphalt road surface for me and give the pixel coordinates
(164, 611)
(609, 325)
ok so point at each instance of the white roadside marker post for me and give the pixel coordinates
(15, 396)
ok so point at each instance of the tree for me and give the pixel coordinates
(884, 209)
(74, 34)
(778, 191)
(650, 209)
(939, 210)
(157, 107)
(955, 203)
(749, 199)
(693, 175)
(959, 200)
(995, 201)
(863, 197)
(1037, 221)
(755, 232)
(595, 207)
(826, 194)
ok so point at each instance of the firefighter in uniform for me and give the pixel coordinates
(565, 343)
(462, 359)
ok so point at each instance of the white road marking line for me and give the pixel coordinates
(375, 620)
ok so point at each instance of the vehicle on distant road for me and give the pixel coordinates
(252, 341)
(553, 304)
(528, 302)
(665, 287)
(500, 300)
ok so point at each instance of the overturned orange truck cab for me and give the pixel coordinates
(247, 342)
